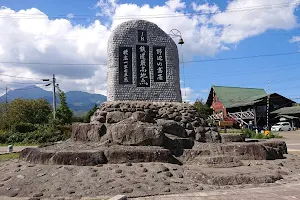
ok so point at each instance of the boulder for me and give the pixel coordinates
(212, 137)
(200, 137)
(139, 154)
(82, 158)
(191, 133)
(227, 137)
(174, 142)
(171, 127)
(143, 116)
(88, 132)
(132, 133)
(252, 151)
(115, 117)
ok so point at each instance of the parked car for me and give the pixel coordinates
(281, 126)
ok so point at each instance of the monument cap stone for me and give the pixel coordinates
(143, 64)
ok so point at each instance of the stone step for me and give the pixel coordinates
(221, 161)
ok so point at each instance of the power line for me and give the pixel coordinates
(24, 83)
(18, 77)
(76, 16)
(245, 57)
(104, 64)
(79, 36)
(246, 71)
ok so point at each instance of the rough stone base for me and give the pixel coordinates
(111, 155)
(212, 155)
(145, 124)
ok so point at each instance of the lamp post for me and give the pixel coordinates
(53, 82)
(177, 33)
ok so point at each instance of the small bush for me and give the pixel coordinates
(41, 134)
(24, 127)
(252, 134)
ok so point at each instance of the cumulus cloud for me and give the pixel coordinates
(187, 94)
(294, 39)
(244, 18)
(78, 52)
(205, 8)
(70, 15)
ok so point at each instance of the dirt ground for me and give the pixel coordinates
(22, 179)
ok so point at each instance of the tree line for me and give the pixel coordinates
(31, 121)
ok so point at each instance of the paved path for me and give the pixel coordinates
(292, 139)
(3, 149)
(282, 192)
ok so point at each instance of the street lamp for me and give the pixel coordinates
(177, 33)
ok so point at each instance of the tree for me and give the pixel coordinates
(88, 116)
(202, 108)
(33, 111)
(63, 113)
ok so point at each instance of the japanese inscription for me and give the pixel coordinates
(125, 65)
(159, 64)
(142, 36)
(142, 63)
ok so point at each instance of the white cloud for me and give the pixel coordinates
(175, 4)
(205, 8)
(204, 91)
(294, 39)
(107, 7)
(70, 15)
(41, 40)
(187, 94)
(239, 23)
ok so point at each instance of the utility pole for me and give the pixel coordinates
(53, 82)
(268, 104)
(54, 96)
(6, 101)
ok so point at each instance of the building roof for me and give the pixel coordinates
(237, 96)
(287, 110)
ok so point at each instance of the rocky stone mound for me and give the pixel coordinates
(152, 132)
(216, 155)
(146, 124)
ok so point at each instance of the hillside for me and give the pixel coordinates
(79, 102)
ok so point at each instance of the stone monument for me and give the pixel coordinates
(144, 119)
(137, 141)
(143, 64)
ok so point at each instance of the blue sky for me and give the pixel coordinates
(263, 31)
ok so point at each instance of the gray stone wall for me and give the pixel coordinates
(126, 35)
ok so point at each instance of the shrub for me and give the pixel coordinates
(41, 134)
(24, 127)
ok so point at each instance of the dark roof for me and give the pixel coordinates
(287, 116)
(287, 110)
(236, 96)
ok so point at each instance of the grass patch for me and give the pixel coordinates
(9, 156)
(230, 130)
(19, 144)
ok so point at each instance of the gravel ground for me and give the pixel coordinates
(22, 179)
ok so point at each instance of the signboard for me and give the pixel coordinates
(142, 66)
(225, 123)
(142, 36)
(159, 64)
(125, 65)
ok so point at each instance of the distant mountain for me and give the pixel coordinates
(79, 102)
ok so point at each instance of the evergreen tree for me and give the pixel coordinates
(88, 116)
(202, 108)
(63, 113)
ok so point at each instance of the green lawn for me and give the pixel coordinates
(18, 144)
(9, 156)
